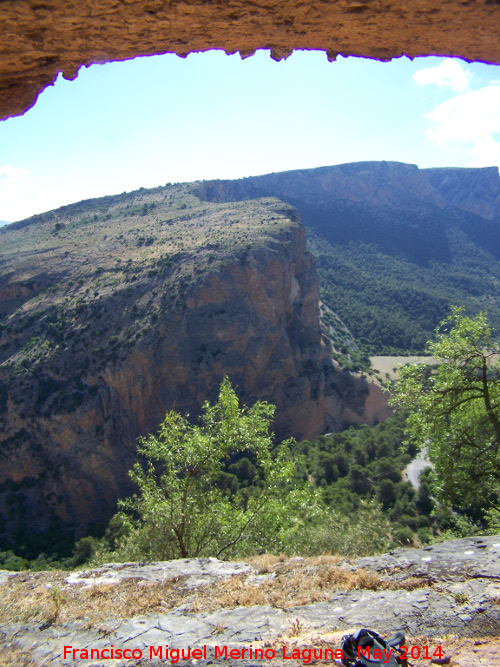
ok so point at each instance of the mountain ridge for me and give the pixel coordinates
(380, 182)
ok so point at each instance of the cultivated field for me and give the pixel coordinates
(387, 367)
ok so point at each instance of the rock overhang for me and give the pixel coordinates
(41, 38)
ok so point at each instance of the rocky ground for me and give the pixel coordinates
(446, 595)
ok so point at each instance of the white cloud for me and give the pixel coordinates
(21, 197)
(9, 175)
(470, 118)
(448, 74)
(467, 117)
(486, 152)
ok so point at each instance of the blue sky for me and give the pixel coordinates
(148, 121)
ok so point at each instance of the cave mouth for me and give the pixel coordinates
(40, 40)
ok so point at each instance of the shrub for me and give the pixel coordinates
(187, 507)
(403, 536)
(424, 535)
(360, 534)
(85, 548)
(9, 561)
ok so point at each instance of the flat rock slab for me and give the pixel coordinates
(453, 560)
(463, 601)
(4, 575)
(419, 612)
(198, 572)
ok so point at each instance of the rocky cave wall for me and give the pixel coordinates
(40, 38)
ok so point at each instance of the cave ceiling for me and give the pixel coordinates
(40, 38)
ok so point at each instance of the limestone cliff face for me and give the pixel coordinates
(403, 210)
(380, 183)
(115, 311)
(107, 326)
(377, 184)
(472, 190)
(256, 321)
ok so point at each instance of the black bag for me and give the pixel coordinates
(366, 648)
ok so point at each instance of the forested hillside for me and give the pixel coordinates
(393, 283)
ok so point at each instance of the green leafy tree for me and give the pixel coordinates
(454, 410)
(186, 508)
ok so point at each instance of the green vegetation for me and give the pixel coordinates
(188, 505)
(221, 488)
(392, 279)
(344, 349)
(66, 553)
(362, 467)
(198, 485)
(454, 410)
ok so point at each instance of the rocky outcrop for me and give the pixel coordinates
(447, 589)
(374, 408)
(472, 190)
(256, 321)
(39, 40)
(118, 310)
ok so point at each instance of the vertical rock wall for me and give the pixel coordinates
(255, 320)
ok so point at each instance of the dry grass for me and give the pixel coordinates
(44, 597)
(295, 628)
(30, 599)
(11, 655)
